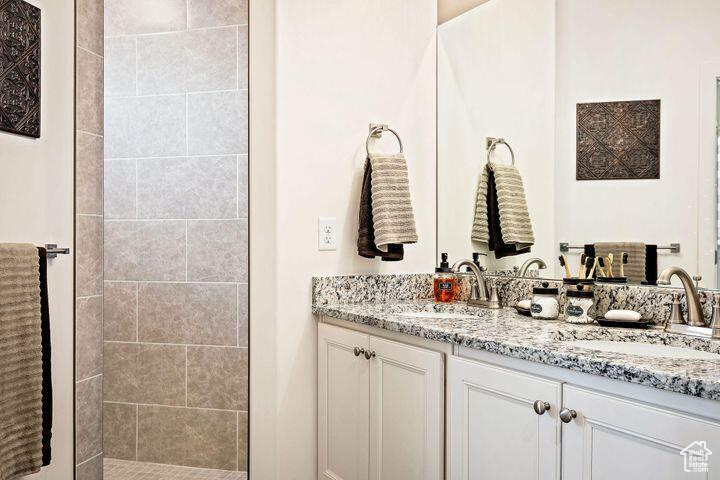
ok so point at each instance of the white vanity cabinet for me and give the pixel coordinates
(611, 431)
(616, 438)
(502, 424)
(380, 408)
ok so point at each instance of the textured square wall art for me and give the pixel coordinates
(19, 68)
(618, 140)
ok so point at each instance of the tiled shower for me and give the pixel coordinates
(175, 387)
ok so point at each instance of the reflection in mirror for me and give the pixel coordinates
(609, 108)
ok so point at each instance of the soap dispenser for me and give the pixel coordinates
(444, 282)
(715, 322)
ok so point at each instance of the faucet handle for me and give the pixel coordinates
(676, 315)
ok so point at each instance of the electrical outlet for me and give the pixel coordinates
(326, 233)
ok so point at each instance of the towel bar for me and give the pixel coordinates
(566, 247)
(53, 250)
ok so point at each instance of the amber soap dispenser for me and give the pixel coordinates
(444, 282)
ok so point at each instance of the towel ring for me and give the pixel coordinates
(376, 132)
(494, 142)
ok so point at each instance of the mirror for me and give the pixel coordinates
(610, 108)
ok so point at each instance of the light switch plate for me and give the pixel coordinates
(327, 229)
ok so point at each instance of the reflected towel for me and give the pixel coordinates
(502, 219)
(636, 266)
(21, 375)
(392, 211)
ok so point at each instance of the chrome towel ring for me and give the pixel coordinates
(376, 131)
(491, 143)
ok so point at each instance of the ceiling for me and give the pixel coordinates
(449, 9)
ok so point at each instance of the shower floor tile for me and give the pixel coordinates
(128, 470)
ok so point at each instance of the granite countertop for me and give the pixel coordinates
(505, 332)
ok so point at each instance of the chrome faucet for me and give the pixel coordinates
(529, 263)
(695, 316)
(487, 299)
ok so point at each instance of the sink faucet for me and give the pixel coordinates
(487, 299)
(529, 263)
(695, 315)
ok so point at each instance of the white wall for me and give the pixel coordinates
(631, 50)
(339, 67)
(496, 77)
(36, 206)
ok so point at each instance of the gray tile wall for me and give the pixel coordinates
(89, 239)
(176, 230)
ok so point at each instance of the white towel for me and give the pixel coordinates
(392, 211)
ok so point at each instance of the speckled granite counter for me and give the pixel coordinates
(505, 332)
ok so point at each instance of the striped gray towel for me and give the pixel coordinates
(515, 221)
(635, 268)
(20, 362)
(392, 211)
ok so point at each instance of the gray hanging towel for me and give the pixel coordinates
(516, 232)
(392, 211)
(21, 369)
(635, 268)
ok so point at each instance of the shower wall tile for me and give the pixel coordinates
(145, 126)
(189, 61)
(89, 255)
(89, 95)
(218, 250)
(204, 187)
(217, 377)
(214, 13)
(145, 250)
(190, 437)
(243, 441)
(243, 56)
(120, 66)
(88, 418)
(217, 123)
(89, 25)
(90, 470)
(187, 313)
(120, 319)
(176, 208)
(89, 174)
(144, 373)
(89, 337)
(120, 420)
(128, 17)
(120, 188)
(243, 186)
(243, 315)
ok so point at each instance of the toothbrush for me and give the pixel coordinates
(623, 262)
(600, 266)
(594, 267)
(588, 268)
(563, 263)
(581, 272)
(610, 259)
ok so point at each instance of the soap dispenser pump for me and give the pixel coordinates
(444, 282)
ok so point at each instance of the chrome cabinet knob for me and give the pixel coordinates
(369, 355)
(541, 407)
(566, 415)
(358, 351)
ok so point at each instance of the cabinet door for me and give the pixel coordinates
(343, 397)
(614, 438)
(406, 412)
(494, 432)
